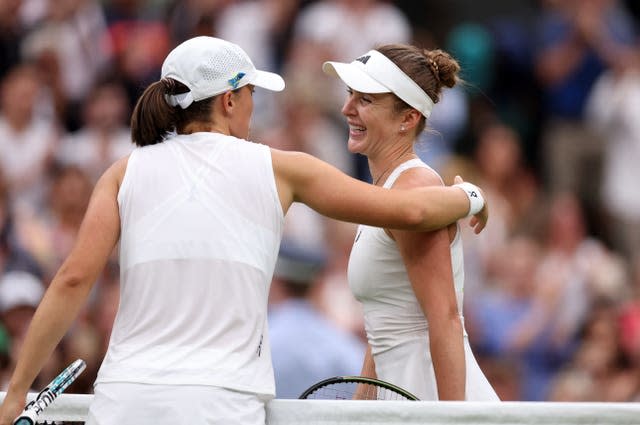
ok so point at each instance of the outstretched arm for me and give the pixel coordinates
(303, 178)
(68, 290)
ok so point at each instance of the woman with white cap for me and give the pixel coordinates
(410, 283)
(198, 212)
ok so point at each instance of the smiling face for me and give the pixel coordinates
(373, 121)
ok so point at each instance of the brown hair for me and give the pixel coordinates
(153, 117)
(430, 69)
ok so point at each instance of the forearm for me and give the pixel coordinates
(302, 178)
(368, 365)
(55, 314)
(447, 354)
(439, 206)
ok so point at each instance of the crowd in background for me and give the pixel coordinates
(547, 122)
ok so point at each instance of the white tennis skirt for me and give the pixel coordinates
(145, 404)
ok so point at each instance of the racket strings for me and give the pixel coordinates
(354, 391)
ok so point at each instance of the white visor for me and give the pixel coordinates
(373, 72)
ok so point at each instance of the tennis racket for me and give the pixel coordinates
(355, 388)
(45, 397)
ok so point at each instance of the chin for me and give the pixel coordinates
(355, 147)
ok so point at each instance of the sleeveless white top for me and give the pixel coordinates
(201, 223)
(396, 327)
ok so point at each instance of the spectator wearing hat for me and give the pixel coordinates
(306, 346)
(20, 294)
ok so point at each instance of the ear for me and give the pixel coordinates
(411, 119)
(228, 102)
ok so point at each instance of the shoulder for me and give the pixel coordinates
(417, 177)
(115, 173)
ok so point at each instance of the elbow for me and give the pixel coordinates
(448, 324)
(417, 218)
(70, 278)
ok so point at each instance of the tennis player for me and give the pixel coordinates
(410, 283)
(198, 212)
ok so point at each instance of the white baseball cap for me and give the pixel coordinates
(209, 66)
(373, 72)
(19, 288)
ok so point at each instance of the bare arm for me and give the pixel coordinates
(303, 178)
(368, 365)
(69, 288)
(427, 259)
(368, 370)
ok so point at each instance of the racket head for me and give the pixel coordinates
(355, 388)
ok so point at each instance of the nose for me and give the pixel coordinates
(348, 107)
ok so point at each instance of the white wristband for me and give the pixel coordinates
(476, 201)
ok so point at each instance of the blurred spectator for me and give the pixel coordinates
(502, 318)
(511, 189)
(350, 28)
(12, 32)
(612, 112)
(567, 269)
(572, 385)
(505, 175)
(20, 294)
(190, 18)
(27, 139)
(262, 29)
(600, 361)
(577, 41)
(306, 347)
(13, 255)
(50, 235)
(104, 136)
(629, 319)
(139, 42)
(71, 44)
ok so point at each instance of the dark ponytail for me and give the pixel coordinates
(152, 116)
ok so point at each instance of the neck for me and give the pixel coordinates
(206, 127)
(381, 167)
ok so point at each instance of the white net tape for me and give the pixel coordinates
(73, 408)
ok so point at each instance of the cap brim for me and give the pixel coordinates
(354, 77)
(268, 80)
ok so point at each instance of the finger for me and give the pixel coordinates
(474, 220)
(458, 180)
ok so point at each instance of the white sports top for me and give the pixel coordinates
(201, 223)
(379, 280)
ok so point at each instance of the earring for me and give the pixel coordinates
(402, 129)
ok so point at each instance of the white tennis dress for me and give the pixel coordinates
(201, 223)
(396, 327)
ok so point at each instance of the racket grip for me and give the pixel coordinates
(26, 418)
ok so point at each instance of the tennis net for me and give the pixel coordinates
(72, 408)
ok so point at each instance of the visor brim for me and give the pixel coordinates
(354, 77)
(268, 80)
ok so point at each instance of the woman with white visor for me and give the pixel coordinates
(409, 283)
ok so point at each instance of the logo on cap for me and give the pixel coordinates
(236, 80)
(364, 59)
